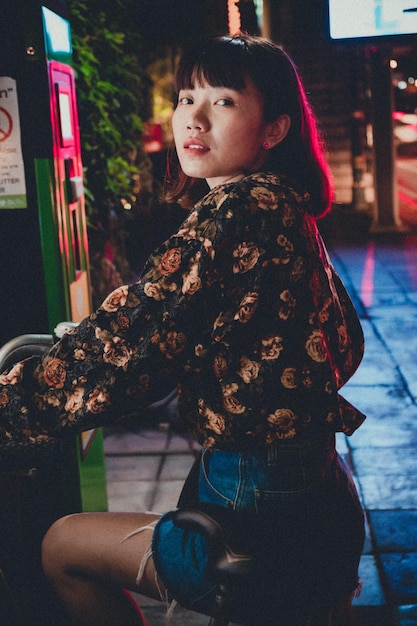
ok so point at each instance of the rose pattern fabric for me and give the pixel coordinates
(240, 310)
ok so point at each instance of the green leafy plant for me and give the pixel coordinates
(113, 95)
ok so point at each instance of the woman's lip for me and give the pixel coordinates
(192, 144)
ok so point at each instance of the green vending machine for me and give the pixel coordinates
(44, 276)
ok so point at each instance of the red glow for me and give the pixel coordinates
(153, 138)
(410, 201)
(234, 17)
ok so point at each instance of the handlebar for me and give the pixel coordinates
(23, 346)
(36, 344)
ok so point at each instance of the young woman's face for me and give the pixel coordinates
(219, 132)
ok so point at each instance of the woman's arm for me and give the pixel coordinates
(122, 358)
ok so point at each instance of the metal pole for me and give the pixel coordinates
(386, 216)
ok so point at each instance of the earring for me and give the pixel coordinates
(266, 146)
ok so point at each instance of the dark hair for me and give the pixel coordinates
(230, 61)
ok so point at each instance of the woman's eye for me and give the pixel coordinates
(225, 102)
(185, 100)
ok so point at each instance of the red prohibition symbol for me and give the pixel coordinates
(6, 124)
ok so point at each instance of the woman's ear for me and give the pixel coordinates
(278, 130)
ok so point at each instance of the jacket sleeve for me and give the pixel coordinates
(120, 359)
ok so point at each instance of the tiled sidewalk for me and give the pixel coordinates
(381, 274)
(146, 469)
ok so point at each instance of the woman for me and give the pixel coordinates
(242, 310)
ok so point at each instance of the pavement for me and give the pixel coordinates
(146, 467)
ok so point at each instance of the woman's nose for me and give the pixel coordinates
(197, 119)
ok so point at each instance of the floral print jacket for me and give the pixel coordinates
(240, 309)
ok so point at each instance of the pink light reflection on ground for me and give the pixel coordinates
(367, 284)
(410, 247)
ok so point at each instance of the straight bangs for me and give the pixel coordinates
(218, 65)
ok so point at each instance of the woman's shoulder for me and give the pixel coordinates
(258, 187)
(279, 184)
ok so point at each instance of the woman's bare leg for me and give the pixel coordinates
(89, 565)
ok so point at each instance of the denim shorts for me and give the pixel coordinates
(296, 506)
(263, 482)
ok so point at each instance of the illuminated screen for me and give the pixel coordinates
(57, 33)
(65, 116)
(372, 18)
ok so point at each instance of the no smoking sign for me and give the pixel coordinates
(6, 124)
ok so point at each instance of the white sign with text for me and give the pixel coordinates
(12, 171)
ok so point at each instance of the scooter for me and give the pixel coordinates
(23, 486)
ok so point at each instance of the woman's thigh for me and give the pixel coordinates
(110, 547)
